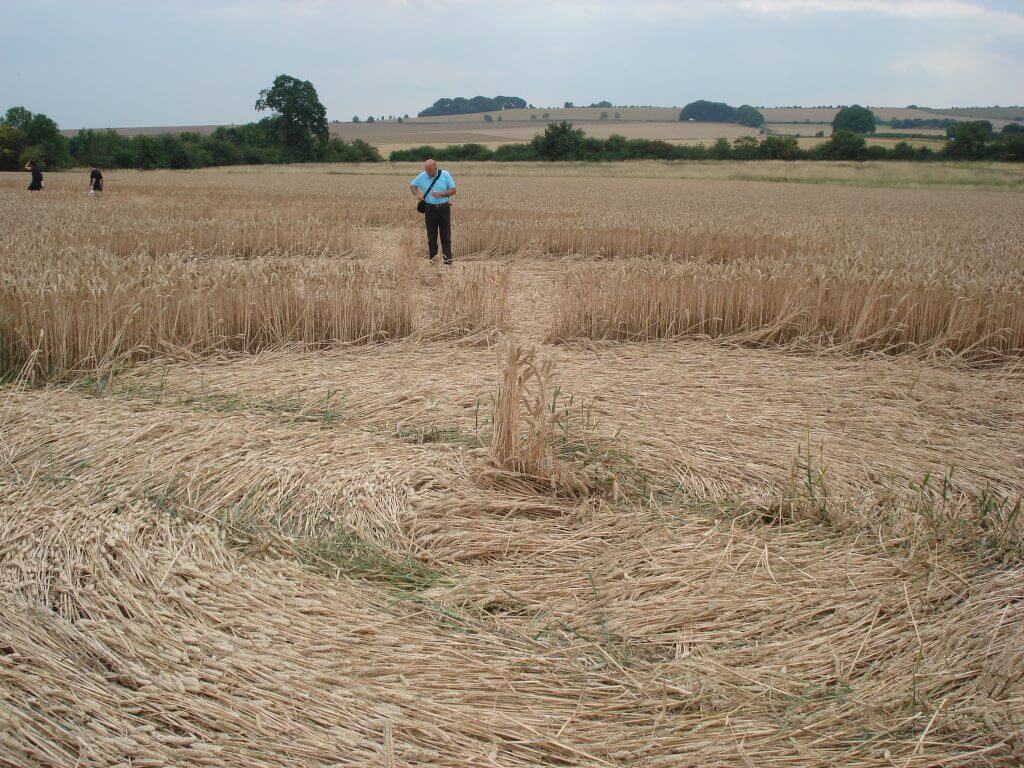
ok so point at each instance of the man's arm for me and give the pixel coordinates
(416, 191)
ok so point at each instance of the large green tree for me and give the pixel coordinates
(844, 145)
(779, 148)
(302, 118)
(17, 117)
(1012, 147)
(969, 140)
(560, 141)
(36, 137)
(857, 119)
(11, 143)
(106, 148)
(749, 116)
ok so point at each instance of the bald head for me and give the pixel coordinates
(430, 167)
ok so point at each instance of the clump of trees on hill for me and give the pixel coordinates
(561, 141)
(463, 106)
(749, 116)
(703, 111)
(856, 119)
(296, 131)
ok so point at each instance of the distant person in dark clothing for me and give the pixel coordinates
(37, 176)
(95, 181)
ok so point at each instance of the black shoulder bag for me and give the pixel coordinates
(421, 206)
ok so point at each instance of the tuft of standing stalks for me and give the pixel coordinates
(524, 428)
(505, 439)
(527, 422)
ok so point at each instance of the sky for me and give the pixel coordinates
(119, 63)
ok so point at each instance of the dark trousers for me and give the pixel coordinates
(439, 220)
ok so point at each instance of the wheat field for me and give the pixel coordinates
(679, 465)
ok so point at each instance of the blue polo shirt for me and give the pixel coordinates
(444, 183)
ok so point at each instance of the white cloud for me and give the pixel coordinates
(993, 20)
(648, 10)
(965, 10)
(910, 8)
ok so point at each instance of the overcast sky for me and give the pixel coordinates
(99, 63)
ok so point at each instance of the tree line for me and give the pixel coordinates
(295, 132)
(923, 122)
(561, 141)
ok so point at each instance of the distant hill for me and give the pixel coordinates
(791, 116)
(824, 115)
(633, 122)
(153, 130)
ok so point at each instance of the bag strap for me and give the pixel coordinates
(438, 176)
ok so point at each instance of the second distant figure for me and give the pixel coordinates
(95, 181)
(435, 188)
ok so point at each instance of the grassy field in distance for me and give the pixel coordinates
(452, 132)
(992, 176)
(980, 113)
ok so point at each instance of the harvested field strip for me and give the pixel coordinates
(576, 634)
(649, 300)
(704, 422)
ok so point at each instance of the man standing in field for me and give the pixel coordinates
(438, 207)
